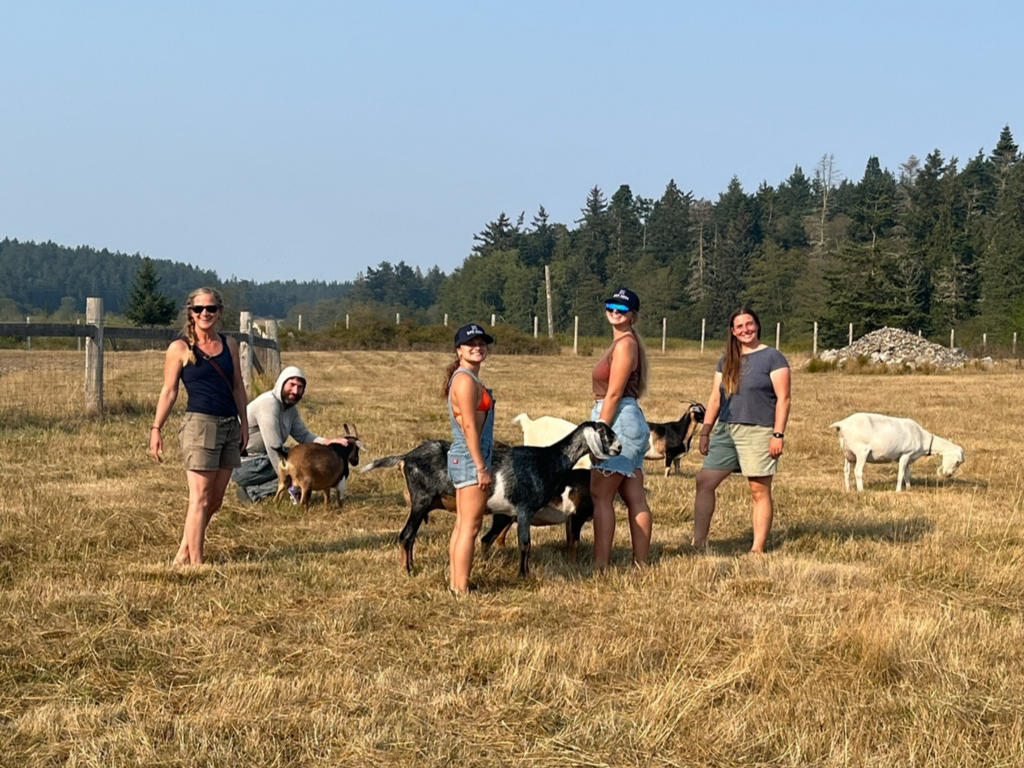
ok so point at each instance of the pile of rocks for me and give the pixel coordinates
(897, 347)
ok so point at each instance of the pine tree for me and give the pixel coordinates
(146, 305)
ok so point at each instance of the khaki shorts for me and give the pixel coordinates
(741, 448)
(209, 443)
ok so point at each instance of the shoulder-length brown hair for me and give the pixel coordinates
(733, 353)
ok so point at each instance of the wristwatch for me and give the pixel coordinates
(779, 435)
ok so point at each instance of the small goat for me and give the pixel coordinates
(671, 439)
(526, 480)
(874, 438)
(545, 430)
(318, 467)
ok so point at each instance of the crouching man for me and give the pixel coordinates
(273, 417)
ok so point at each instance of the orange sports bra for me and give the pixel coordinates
(486, 401)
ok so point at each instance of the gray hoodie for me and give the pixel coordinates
(271, 421)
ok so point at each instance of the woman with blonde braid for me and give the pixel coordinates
(750, 399)
(214, 430)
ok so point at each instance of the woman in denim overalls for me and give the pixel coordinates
(471, 411)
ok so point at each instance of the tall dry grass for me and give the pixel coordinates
(883, 629)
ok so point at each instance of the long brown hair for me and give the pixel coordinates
(188, 330)
(452, 368)
(734, 353)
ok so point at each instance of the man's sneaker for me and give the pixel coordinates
(296, 493)
(242, 496)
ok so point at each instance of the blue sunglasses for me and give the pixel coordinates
(620, 308)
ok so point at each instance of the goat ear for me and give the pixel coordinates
(345, 427)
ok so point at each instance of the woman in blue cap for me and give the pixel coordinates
(619, 379)
(471, 411)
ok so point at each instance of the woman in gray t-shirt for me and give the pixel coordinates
(750, 401)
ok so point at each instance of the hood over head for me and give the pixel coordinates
(289, 372)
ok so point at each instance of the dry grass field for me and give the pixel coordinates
(883, 629)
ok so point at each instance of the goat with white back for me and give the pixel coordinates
(872, 438)
(545, 430)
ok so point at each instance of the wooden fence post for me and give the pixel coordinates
(703, 329)
(274, 354)
(28, 339)
(951, 334)
(664, 331)
(346, 322)
(445, 319)
(493, 318)
(1014, 345)
(576, 335)
(94, 357)
(245, 349)
(300, 322)
(79, 339)
(398, 318)
(547, 297)
(851, 333)
(778, 334)
(536, 325)
(814, 348)
(984, 342)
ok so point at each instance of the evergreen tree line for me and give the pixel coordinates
(54, 280)
(928, 248)
(932, 247)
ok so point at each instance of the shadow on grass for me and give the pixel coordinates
(339, 546)
(889, 531)
(920, 482)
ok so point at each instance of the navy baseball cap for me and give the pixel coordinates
(472, 331)
(624, 299)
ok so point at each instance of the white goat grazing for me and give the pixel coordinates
(874, 438)
(547, 430)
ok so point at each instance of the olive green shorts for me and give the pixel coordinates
(209, 443)
(741, 448)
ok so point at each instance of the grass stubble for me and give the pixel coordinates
(883, 629)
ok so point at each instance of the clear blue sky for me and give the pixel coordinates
(309, 140)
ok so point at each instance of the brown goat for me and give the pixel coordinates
(317, 467)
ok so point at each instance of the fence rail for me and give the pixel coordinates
(95, 333)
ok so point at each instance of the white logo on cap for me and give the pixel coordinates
(474, 329)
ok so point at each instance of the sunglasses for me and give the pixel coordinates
(209, 308)
(616, 309)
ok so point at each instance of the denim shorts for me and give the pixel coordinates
(631, 428)
(461, 469)
(741, 448)
(209, 443)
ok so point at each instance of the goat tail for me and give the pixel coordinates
(387, 461)
(281, 454)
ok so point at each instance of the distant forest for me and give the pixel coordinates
(926, 248)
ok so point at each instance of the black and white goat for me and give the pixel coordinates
(671, 439)
(526, 480)
(574, 507)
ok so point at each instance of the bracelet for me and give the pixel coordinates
(156, 428)
(779, 435)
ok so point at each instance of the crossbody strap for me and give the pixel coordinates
(217, 368)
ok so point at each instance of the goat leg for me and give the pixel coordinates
(523, 531)
(499, 527)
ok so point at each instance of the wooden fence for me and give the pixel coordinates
(96, 334)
